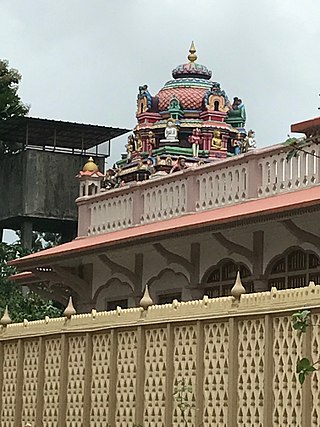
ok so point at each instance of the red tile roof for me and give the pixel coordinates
(302, 127)
(193, 221)
(190, 97)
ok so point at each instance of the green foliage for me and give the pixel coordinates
(297, 145)
(182, 396)
(20, 306)
(301, 320)
(304, 368)
(10, 102)
(11, 105)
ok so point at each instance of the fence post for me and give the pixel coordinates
(233, 373)
(169, 376)
(113, 377)
(306, 389)
(1, 379)
(41, 358)
(87, 381)
(200, 374)
(268, 372)
(19, 384)
(63, 381)
(141, 345)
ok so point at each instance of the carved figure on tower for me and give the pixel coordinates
(195, 141)
(144, 100)
(138, 141)
(237, 114)
(249, 141)
(237, 144)
(151, 142)
(180, 165)
(130, 147)
(171, 132)
(216, 142)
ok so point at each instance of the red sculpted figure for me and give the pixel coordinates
(195, 141)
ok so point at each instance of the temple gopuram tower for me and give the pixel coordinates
(190, 117)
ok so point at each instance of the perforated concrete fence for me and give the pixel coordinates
(123, 367)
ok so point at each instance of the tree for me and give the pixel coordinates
(300, 145)
(11, 105)
(29, 306)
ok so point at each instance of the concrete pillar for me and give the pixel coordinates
(26, 234)
(260, 283)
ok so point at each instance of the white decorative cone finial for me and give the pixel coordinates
(146, 300)
(238, 288)
(69, 310)
(5, 319)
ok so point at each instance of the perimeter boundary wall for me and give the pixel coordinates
(121, 368)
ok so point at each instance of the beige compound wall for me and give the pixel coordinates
(121, 368)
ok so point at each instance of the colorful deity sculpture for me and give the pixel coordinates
(138, 142)
(151, 142)
(180, 165)
(171, 132)
(130, 147)
(195, 141)
(249, 141)
(216, 142)
(237, 114)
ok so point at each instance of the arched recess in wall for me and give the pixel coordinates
(114, 293)
(218, 280)
(294, 268)
(167, 286)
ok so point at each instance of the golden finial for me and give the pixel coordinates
(90, 166)
(192, 53)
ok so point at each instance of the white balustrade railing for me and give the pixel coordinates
(260, 173)
(111, 214)
(222, 187)
(281, 175)
(164, 200)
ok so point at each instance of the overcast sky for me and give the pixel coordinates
(84, 60)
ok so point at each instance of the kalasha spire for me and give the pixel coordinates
(192, 69)
(192, 53)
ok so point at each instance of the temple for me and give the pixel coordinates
(191, 117)
(189, 204)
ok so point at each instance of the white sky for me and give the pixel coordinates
(84, 60)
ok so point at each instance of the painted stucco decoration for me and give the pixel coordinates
(190, 116)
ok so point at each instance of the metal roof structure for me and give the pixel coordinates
(55, 133)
